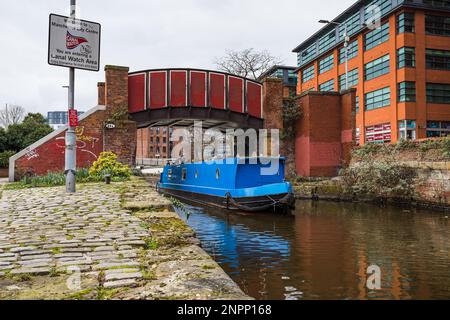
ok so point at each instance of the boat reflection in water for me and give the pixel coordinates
(324, 250)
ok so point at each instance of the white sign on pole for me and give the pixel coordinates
(74, 43)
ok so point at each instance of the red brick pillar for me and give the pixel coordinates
(273, 103)
(122, 139)
(101, 94)
(348, 125)
(273, 111)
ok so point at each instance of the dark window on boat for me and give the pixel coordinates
(217, 174)
(169, 174)
(183, 174)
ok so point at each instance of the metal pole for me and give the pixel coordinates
(71, 143)
(346, 56)
(6, 117)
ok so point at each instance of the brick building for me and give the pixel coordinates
(287, 74)
(401, 69)
(154, 143)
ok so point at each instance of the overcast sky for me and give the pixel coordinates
(144, 34)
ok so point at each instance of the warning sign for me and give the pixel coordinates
(74, 43)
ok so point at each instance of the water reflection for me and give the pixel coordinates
(323, 251)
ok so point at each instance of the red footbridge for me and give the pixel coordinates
(178, 97)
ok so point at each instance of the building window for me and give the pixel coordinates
(407, 130)
(327, 41)
(405, 23)
(437, 129)
(307, 55)
(437, 25)
(353, 79)
(352, 52)
(380, 133)
(357, 104)
(308, 74)
(376, 68)
(438, 93)
(353, 26)
(377, 99)
(406, 91)
(327, 86)
(438, 3)
(383, 5)
(326, 64)
(376, 37)
(406, 58)
(217, 174)
(438, 59)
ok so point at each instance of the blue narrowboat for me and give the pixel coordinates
(235, 184)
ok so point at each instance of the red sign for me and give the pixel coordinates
(72, 42)
(73, 118)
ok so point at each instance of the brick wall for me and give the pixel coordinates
(325, 133)
(48, 154)
(122, 140)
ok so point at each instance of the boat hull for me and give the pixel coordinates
(279, 203)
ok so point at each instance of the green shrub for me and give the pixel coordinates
(4, 158)
(367, 150)
(405, 145)
(107, 164)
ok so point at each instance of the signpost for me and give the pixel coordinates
(74, 44)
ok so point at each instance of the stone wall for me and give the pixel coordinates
(433, 180)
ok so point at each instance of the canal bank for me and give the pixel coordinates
(119, 241)
(410, 173)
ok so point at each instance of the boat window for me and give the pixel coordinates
(217, 174)
(169, 174)
(183, 174)
(196, 173)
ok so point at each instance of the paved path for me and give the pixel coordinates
(121, 241)
(47, 230)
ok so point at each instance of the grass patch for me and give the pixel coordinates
(56, 250)
(151, 244)
(55, 179)
(80, 295)
(106, 294)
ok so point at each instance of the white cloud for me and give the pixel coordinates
(146, 34)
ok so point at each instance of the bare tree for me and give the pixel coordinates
(11, 114)
(247, 63)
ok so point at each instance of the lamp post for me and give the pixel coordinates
(71, 144)
(346, 42)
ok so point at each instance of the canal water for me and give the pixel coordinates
(324, 250)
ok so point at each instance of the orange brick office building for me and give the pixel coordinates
(401, 70)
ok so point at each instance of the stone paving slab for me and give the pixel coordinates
(87, 246)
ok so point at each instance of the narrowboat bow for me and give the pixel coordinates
(244, 184)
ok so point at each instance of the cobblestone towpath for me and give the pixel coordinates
(118, 241)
